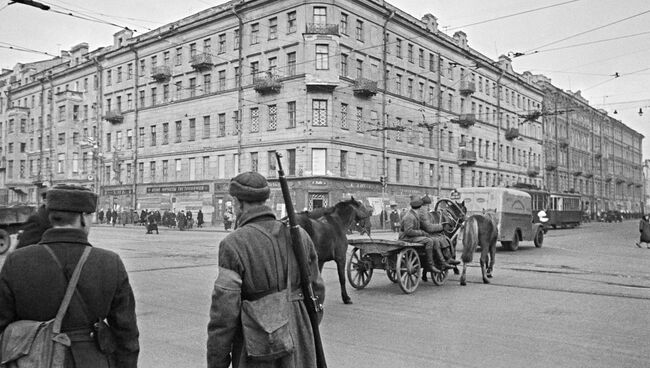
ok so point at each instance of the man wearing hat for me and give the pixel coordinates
(35, 226)
(412, 232)
(441, 245)
(34, 279)
(253, 263)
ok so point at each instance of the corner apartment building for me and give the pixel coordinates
(590, 153)
(165, 119)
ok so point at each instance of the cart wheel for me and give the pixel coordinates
(359, 270)
(5, 241)
(390, 269)
(539, 238)
(439, 278)
(408, 270)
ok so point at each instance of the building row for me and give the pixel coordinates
(360, 99)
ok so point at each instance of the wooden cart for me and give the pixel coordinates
(401, 260)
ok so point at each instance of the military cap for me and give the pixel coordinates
(249, 187)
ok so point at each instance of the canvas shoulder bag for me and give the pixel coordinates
(265, 321)
(35, 344)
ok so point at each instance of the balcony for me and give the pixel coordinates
(467, 88)
(512, 133)
(267, 83)
(466, 157)
(69, 95)
(620, 179)
(533, 171)
(466, 120)
(365, 87)
(322, 81)
(551, 165)
(322, 29)
(17, 110)
(608, 177)
(576, 172)
(563, 142)
(588, 174)
(161, 73)
(114, 116)
(201, 61)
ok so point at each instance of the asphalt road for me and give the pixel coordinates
(582, 300)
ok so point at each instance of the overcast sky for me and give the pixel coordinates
(589, 68)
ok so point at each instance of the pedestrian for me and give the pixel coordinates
(228, 218)
(644, 229)
(114, 217)
(35, 226)
(109, 216)
(100, 216)
(34, 279)
(256, 260)
(199, 219)
(394, 218)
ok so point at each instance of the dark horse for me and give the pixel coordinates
(327, 228)
(480, 230)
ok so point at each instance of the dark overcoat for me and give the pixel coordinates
(34, 228)
(644, 229)
(247, 267)
(32, 286)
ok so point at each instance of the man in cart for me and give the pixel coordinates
(440, 242)
(411, 231)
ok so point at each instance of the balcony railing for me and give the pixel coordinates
(114, 116)
(365, 87)
(563, 142)
(17, 110)
(551, 165)
(69, 95)
(466, 157)
(161, 73)
(588, 174)
(467, 87)
(620, 179)
(512, 133)
(201, 61)
(466, 120)
(576, 172)
(324, 29)
(533, 171)
(267, 83)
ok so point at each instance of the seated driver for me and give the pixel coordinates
(441, 244)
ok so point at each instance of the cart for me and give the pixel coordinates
(400, 260)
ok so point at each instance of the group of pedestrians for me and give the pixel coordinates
(255, 261)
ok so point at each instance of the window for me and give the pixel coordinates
(291, 63)
(343, 163)
(359, 119)
(165, 139)
(141, 137)
(273, 117)
(322, 57)
(142, 97)
(207, 46)
(359, 30)
(398, 48)
(62, 138)
(129, 138)
(255, 120)
(344, 64)
(273, 28)
(222, 80)
(192, 87)
(222, 125)
(255, 68)
(319, 161)
(319, 112)
(166, 58)
(119, 74)
(165, 93)
(60, 163)
(205, 167)
(421, 58)
(179, 131)
(409, 88)
(344, 116)
(192, 130)
(432, 62)
(179, 90)
(222, 43)
(398, 170)
(409, 53)
(207, 83)
(153, 135)
(343, 27)
(320, 15)
(109, 74)
(153, 97)
(291, 22)
(359, 68)
(165, 170)
(192, 49)
(178, 60)
(206, 126)
(273, 64)
(236, 42)
(291, 109)
(398, 84)
(255, 32)
(254, 162)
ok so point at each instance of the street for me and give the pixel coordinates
(579, 301)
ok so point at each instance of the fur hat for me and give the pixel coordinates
(426, 199)
(249, 187)
(416, 203)
(71, 198)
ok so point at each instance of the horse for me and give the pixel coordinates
(327, 228)
(479, 230)
(452, 216)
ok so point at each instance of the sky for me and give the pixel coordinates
(579, 44)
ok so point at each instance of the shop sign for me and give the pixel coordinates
(117, 191)
(179, 189)
(319, 182)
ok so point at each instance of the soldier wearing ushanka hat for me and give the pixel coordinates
(35, 279)
(249, 259)
(442, 249)
(412, 232)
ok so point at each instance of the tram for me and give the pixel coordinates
(562, 209)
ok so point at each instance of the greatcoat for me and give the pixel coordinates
(247, 270)
(32, 286)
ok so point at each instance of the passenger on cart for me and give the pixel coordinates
(440, 242)
(411, 231)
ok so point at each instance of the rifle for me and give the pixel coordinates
(311, 301)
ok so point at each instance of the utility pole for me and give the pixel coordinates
(240, 87)
(439, 130)
(384, 132)
(499, 126)
(136, 78)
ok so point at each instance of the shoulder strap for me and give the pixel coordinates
(261, 229)
(72, 285)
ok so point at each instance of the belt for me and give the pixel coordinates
(294, 295)
(82, 334)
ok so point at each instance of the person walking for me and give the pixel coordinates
(33, 281)
(257, 260)
(394, 218)
(199, 219)
(644, 229)
(228, 218)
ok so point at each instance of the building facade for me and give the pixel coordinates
(359, 97)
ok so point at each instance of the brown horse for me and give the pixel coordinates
(480, 230)
(327, 228)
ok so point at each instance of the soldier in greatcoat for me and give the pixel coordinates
(248, 270)
(442, 249)
(33, 282)
(411, 231)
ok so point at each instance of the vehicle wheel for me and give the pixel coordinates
(359, 269)
(390, 269)
(539, 238)
(5, 241)
(512, 245)
(439, 278)
(408, 270)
